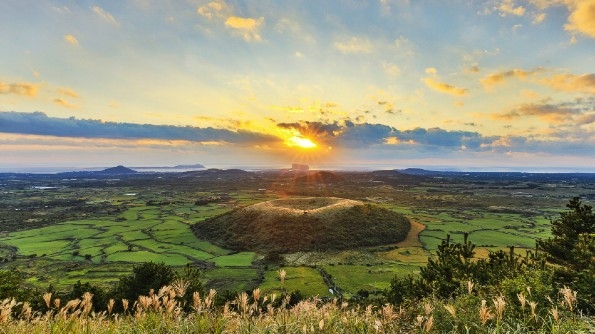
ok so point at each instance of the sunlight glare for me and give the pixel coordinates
(301, 142)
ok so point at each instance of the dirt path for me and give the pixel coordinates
(412, 239)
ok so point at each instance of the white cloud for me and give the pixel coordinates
(105, 15)
(354, 45)
(391, 69)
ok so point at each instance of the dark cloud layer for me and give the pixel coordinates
(38, 123)
(366, 137)
(313, 128)
(350, 134)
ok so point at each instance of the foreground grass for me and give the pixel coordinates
(162, 312)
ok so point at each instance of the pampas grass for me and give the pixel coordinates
(162, 312)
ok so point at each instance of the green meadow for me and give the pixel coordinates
(112, 228)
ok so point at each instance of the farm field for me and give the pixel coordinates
(60, 230)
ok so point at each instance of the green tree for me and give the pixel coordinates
(10, 283)
(572, 251)
(447, 273)
(144, 277)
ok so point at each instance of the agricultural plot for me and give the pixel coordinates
(353, 278)
(232, 279)
(94, 230)
(305, 279)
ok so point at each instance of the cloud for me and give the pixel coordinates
(222, 13)
(539, 18)
(391, 69)
(586, 119)
(566, 82)
(68, 92)
(19, 88)
(315, 129)
(431, 71)
(444, 87)
(38, 123)
(556, 114)
(348, 134)
(105, 15)
(508, 7)
(214, 9)
(500, 77)
(71, 39)
(246, 27)
(582, 18)
(404, 46)
(354, 45)
(561, 113)
(296, 29)
(64, 103)
(572, 83)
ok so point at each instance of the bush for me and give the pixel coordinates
(145, 277)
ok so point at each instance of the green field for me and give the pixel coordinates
(107, 229)
(147, 233)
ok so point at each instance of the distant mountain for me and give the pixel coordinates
(419, 171)
(194, 166)
(117, 170)
(188, 166)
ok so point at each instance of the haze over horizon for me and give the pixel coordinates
(484, 84)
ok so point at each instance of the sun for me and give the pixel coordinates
(301, 142)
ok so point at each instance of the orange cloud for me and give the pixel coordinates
(586, 119)
(508, 7)
(71, 39)
(445, 88)
(500, 77)
(20, 88)
(572, 83)
(500, 142)
(582, 18)
(397, 141)
(247, 27)
(549, 113)
(68, 92)
(64, 103)
(431, 70)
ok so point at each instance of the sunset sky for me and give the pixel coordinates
(461, 83)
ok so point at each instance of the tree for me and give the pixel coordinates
(447, 273)
(572, 251)
(10, 283)
(145, 276)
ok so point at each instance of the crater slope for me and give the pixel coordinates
(304, 224)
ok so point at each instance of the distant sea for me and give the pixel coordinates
(52, 169)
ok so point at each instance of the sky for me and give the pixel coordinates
(465, 84)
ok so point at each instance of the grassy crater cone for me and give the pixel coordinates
(304, 224)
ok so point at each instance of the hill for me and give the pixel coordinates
(304, 224)
(117, 170)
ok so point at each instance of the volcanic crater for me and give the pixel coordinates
(304, 224)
